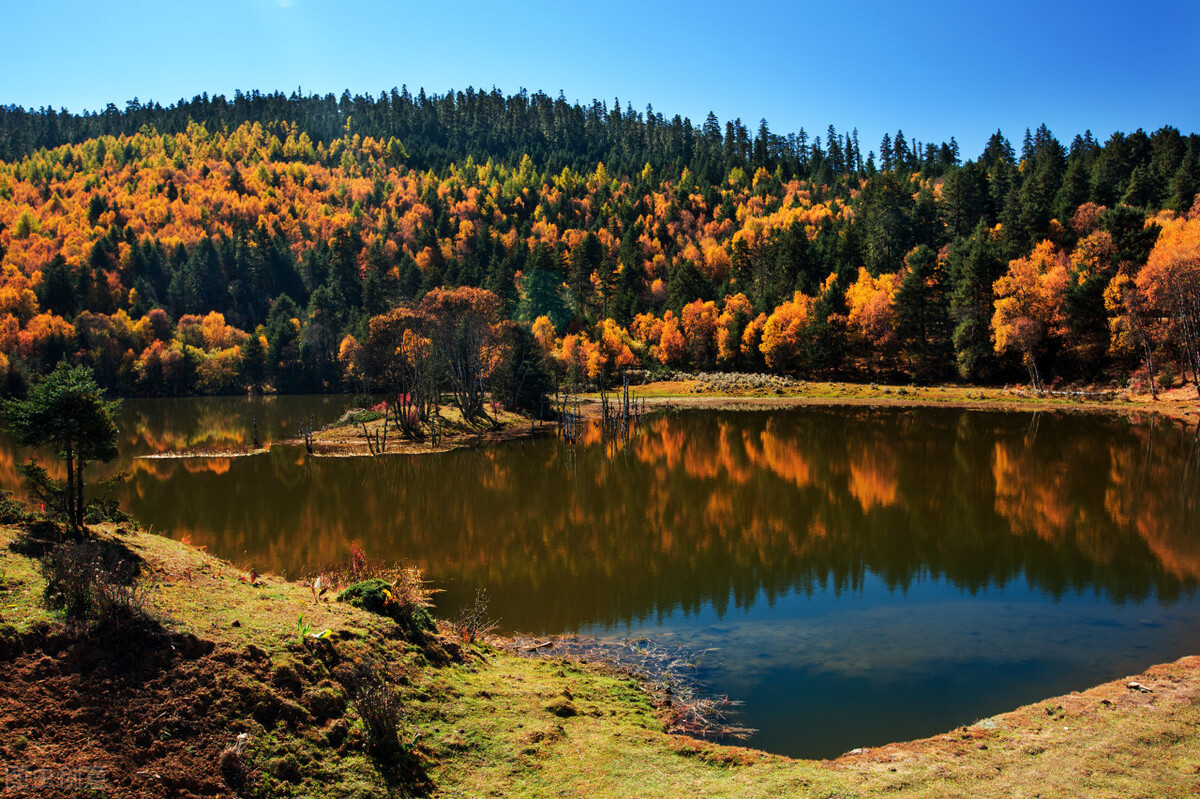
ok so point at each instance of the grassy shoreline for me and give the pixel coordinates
(481, 721)
(346, 438)
(718, 393)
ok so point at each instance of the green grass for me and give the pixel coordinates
(498, 731)
(21, 587)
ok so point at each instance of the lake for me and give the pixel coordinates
(866, 575)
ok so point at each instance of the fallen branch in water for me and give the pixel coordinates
(667, 673)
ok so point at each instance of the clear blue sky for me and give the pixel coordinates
(934, 69)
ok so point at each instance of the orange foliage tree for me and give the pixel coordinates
(871, 318)
(1030, 305)
(544, 333)
(671, 349)
(784, 332)
(574, 356)
(467, 338)
(397, 357)
(698, 320)
(616, 351)
(1132, 324)
(731, 324)
(1170, 281)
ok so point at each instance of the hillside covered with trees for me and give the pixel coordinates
(463, 241)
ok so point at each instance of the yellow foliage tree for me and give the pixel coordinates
(1030, 304)
(698, 321)
(871, 318)
(783, 332)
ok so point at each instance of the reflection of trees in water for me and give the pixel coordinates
(721, 508)
(219, 422)
(1157, 481)
(176, 425)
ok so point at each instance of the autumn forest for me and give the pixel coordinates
(496, 245)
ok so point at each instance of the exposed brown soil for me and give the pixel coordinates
(130, 717)
(149, 703)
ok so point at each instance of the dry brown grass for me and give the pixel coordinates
(1179, 403)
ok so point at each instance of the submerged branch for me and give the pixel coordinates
(667, 673)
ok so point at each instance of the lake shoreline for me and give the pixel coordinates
(343, 439)
(479, 717)
(1179, 404)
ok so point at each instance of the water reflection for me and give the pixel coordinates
(716, 509)
(844, 560)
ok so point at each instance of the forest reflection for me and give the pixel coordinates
(719, 509)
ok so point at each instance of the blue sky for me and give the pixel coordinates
(934, 69)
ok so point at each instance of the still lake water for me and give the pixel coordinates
(867, 575)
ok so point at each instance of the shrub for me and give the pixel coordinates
(105, 508)
(382, 712)
(383, 715)
(12, 511)
(48, 493)
(357, 416)
(404, 601)
(473, 621)
(1166, 377)
(89, 581)
(232, 763)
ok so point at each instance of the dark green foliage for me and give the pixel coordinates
(47, 492)
(964, 199)
(104, 509)
(825, 339)
(437, 130)
(12, 511)
(525, 379)
(587, 260)
(687, 284)
(380, 597)
(1134, 239)
(1183, 185)
(1074, 189)
(67, 413)
(1027, 213)
(974, 267)
(1087, 319)
(60, 289)
(253, 363)
(887, 207)
(543, 296)
(923, 315)
(283, 345)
